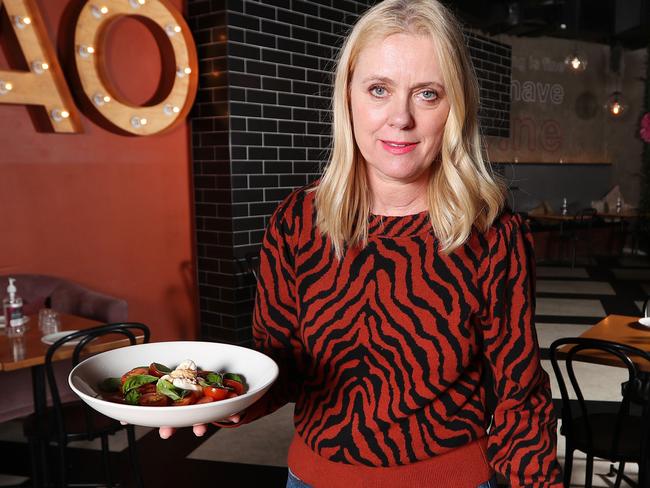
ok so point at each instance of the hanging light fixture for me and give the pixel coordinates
(616, 105)
(576, 61)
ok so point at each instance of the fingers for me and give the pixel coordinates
(235, 419)
(166, 432)
(200, 430)
(123, 422)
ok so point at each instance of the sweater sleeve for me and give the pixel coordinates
(275, 314)
(522, 438)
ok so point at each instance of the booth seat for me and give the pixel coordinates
(62, 295)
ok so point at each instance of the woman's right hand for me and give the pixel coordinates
(198, 429)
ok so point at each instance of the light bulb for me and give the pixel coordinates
(22, 22)
(138, 122)
(5, 87)
(39, 67)
(99, 12)
(85, 51)
(172, 29)
(616, 105)
(576, 62)
(59, 114)
(171, 109)
(101, 99)
(181, 72)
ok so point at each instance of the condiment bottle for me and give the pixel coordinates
(12, 307)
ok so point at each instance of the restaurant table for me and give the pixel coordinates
(623, 329)
(28, 351)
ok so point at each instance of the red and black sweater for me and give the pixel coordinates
(385, 351)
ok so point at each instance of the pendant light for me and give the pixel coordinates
(616, 105)
(576, 61)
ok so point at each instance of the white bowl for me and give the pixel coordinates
(258, 370)
(645, 321)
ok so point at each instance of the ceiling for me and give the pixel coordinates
(604, 21)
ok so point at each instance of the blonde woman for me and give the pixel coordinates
(389, 288)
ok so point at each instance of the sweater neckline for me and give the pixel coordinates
(399, 225)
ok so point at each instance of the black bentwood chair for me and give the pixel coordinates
(619, 436)
(74, 421)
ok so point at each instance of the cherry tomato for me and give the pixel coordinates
(205, 399)
(215, 392)
(236, 386)
(232, 394)
(188, 399)
(153, 400)
(154, 371)
(148, 388)
(134, 371)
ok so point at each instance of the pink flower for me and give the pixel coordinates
(645, 128)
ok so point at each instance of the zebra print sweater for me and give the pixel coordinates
(385, 352)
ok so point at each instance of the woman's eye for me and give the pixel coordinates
(429, 95)
(378, 91)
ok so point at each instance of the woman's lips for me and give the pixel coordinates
(395, 147)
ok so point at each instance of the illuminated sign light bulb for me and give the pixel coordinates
(85, 51)
(101, 99)
(22, 22)
(58, 115)
(138, 122)
(99, 12)
(5, 87)
(137, 3)
(172, 30)
(171, 109)
(39, 67)
(181, 72)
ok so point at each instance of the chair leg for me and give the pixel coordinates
(107, 461)
(619, 475)
(63, 466)
(133, 454)
(568, 465)
(589, 471)
(36, 461)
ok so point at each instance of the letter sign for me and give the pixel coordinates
(45, 85)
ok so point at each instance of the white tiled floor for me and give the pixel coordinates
(547, 333)
(265, 441)
(570, 307)
(582, 287)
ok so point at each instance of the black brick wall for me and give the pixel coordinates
(260, 128)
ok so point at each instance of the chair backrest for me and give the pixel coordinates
(585, 217)
(82, 339)
(634, 390)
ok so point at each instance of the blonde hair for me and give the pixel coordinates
(462, 191)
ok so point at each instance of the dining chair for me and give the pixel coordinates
(621, 436)
(74, 421)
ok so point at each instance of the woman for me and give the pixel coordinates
(389, 288)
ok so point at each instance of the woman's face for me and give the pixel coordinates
(399, 107)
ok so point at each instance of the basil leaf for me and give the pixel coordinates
(110, 385)
(132, 397)
(162, 368)
(137, 380)
(233, 376)
(214, 379)
(166, 388)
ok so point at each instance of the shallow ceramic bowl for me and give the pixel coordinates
(645, 321)
(258, 370)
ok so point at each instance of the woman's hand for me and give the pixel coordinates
(199, 429)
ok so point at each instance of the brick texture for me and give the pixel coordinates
(261, 127)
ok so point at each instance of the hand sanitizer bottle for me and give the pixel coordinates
(12, 307)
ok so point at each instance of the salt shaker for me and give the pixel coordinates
(564, 206)
(619, 205)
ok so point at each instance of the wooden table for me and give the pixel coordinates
(623, 329)
(28, 351)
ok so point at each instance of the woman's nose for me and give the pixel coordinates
(400, 116)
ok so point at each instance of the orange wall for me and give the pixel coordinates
(109, 211)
